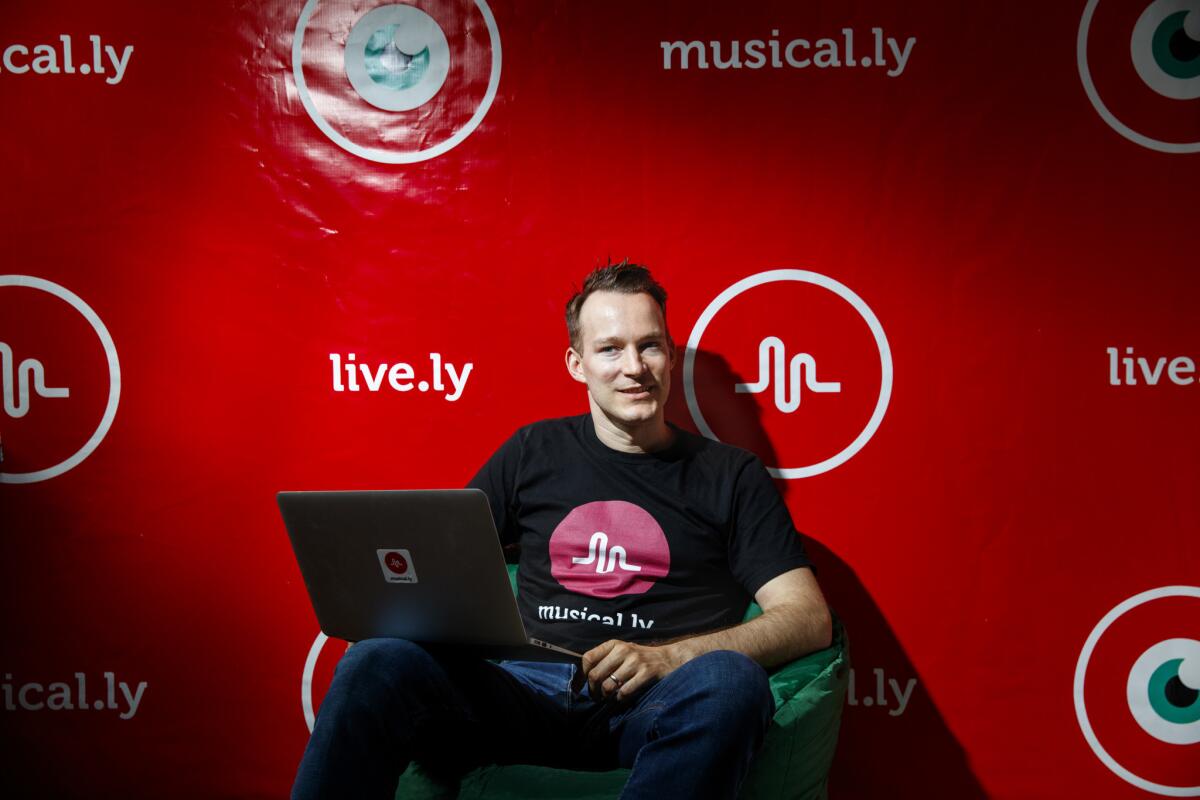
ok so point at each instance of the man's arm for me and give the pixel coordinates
(795, 621)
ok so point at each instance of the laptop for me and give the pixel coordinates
(419, 565)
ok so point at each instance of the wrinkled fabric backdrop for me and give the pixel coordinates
(949, 254)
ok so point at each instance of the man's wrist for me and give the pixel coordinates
(682, 651)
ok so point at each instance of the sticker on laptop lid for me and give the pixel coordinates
(397, 565)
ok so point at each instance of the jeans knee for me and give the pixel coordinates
(382, 663)
(734, 687)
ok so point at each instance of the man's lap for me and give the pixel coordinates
(520, 712)
(392, 702)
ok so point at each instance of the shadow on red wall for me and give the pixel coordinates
(893, 740)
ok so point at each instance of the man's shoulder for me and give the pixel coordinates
(553, 425)
(720, 455)
(554, 428)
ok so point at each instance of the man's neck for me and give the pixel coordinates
(648, 437)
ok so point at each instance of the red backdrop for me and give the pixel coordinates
(955, 240)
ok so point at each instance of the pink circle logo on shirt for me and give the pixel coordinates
(608, 548)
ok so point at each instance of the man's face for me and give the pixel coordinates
(626, 356)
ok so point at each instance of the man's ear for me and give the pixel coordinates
(574, 365)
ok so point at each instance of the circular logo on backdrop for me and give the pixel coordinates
(1137, 690)
(400, 83)
(397, 57)
(1140, 66)
(60, 379)
(609, 548)
(791, 365)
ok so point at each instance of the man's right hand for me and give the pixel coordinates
(624, 668)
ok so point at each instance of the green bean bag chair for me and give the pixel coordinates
(793, 763)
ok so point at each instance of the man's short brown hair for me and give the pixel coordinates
(623, 277)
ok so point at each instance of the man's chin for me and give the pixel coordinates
(641, 413)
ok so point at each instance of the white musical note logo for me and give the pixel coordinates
(787, 375)
(16, 382)
(598, 551)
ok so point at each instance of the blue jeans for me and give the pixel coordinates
(692, 735)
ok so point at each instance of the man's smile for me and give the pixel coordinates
(638, 391)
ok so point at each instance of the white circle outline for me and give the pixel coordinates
(842, 291)
(114, 378)
(1085, 75)
(1081, 666)
(388, 156)
(356, 66)
(306, 679)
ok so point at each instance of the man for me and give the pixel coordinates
(640, 544)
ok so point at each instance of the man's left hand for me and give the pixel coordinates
(623, 668)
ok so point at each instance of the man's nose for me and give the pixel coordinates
(631, 362)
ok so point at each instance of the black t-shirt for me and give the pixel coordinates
(635, 546)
